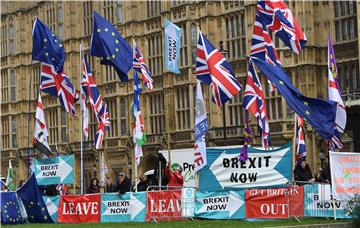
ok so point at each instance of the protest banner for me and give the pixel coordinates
(57, 170)
(263, 168)
(220, 205)
(318, 202)
(129, 207)
(164, 205)
(274, 203)
(52, 205)
(345, 174)
(185, 158)
(172, 44)
(78, 209)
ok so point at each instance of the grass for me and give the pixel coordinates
(187, 224)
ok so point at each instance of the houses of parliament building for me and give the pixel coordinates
(168, 109)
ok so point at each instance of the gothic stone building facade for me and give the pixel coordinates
(170, 105)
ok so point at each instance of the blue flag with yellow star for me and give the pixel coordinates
(319, 113)
(33, 201)
(10, 209)
(47, 47)
(112, 49)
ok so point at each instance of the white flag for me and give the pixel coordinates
(85, 113)
(40, 130)
(201, 127)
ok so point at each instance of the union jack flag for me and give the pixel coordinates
(91, 91)
(263, 47)
(58, 85)
(254, 102)
(213, 69)
(141, 67)
(278, 18)
(104, 125)
(300, 140)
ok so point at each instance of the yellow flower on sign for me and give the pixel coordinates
(113, 34)
(106, 29)
(113, 56)
(98, 30)
(116, 49)
(307, 113)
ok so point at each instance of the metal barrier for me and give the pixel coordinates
(170, 203)
(318, 201)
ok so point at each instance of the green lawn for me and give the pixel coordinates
(187, 224)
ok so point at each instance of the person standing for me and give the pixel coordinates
(124, 183)
(94, 186)
(303, 173)
(109, 186)
(173, 174)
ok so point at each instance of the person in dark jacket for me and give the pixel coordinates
(303, 173)
(109, 186)
(325, 175)
(94, 186)
(124, 184)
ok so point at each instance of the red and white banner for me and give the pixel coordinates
(78, 209)
(273, 203)
(164, 205)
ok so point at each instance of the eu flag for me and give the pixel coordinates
(10, 209)
(33, 202)
(47, 47)
(112, 49)
(319, 113)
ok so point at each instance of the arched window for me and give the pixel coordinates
(119, 11)
(13, 132)
(13, 85)
(60, 21)
(123, 116)
(193, 30)
(11, 37)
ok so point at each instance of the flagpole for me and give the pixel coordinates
(29, 104)
(81, 134)
(294, 144)
(136, 166)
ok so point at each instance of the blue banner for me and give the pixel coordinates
(263, 168)
(52, 205)
(318, 202)
(172, 36)
(220, 205)
(57, 170)
(129, 207)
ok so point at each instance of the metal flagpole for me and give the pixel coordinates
(81, 133)
(136, 166)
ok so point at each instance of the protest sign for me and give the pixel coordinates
(345, 174)
(78, 209)
(263, 168)
(57, 170)
(129, 207)
(172, 43)
(185, 158)
(164, 205)
(220, 205)
(188, 202)
(273, 203)
(318, 202)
